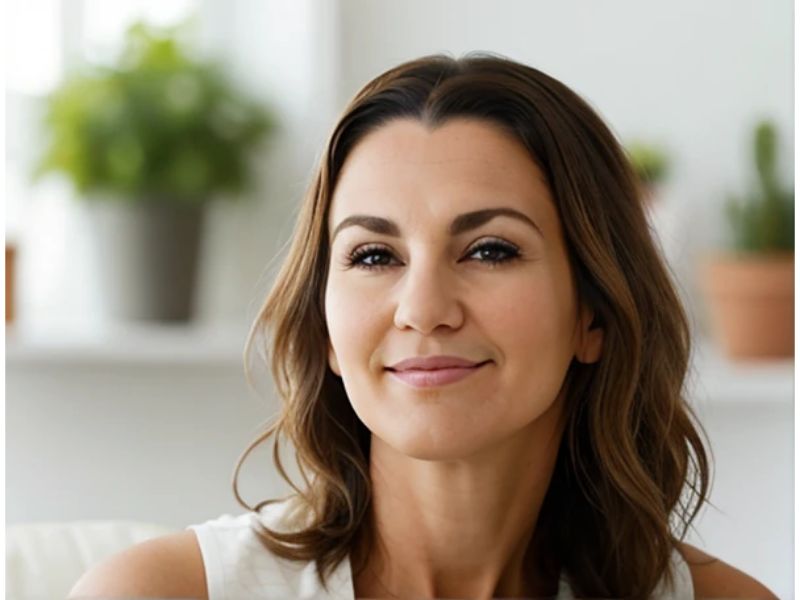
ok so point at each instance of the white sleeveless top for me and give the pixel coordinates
(238, 566)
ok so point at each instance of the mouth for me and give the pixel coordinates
(438, 369)
(424, 378)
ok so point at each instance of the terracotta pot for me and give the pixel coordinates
(11, 252)
(750, 298)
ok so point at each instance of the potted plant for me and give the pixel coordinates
(148, 143)
(750, 287)
(651, 165)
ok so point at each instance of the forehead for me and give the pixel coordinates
(464, 164)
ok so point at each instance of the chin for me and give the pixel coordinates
(432, 445)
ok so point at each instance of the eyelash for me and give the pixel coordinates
(359, 254)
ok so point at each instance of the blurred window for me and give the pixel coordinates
(33, 46)
(105, 22)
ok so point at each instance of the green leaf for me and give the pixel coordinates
(764, 220)
(157, 123)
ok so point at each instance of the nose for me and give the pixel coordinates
(427, 298)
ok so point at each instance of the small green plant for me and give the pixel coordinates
(156, 125)
(763, 220)
(649, 161)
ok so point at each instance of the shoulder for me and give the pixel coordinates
(166, 566)
(713, 578)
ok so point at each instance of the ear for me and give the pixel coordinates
(590, 339)
(333, 362)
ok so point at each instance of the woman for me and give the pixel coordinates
(481, 356)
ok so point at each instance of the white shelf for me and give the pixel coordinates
(126, 344)
(714, 378)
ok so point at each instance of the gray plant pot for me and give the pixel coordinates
(147, 256)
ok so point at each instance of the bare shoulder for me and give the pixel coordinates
(168, 566)
(713, 578)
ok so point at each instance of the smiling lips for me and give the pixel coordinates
(433, 371)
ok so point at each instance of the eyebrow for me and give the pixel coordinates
(462, 223)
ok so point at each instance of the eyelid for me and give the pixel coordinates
(494, 238)
(384, 246)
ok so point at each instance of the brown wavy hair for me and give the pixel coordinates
(632, 471)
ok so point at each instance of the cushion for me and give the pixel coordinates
(44, 560)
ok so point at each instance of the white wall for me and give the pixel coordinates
(750, 521)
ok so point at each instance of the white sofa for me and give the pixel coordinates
(44, 560)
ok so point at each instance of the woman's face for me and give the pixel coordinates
(427, 280)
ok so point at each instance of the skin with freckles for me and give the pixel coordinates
(459, 471)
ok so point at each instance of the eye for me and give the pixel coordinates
(359, 257)
(495, 252)
(374, 257)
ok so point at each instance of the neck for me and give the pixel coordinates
(461, 528)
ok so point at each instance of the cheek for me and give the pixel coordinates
(531, 316)
(531, 327)
(354, 330)
(352, 324)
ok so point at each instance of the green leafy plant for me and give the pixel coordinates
(649, 161)
(763, 220)
(157, 125)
